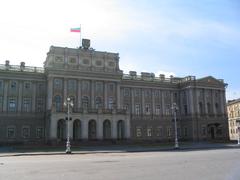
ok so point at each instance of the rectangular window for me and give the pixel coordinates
(137, 109)
(137, 92)
(58, 83)
(147, 108)
(169, 131)
(26, 104)
(159, 132)
(40, 87)
(179, 132)
(39, 105)
(148, 93)
(13, 85)
(99, 87)
(125, 107)
(11, 132)
(12, 105)
(72, 85)
(167, 110)
(1, 103)
(85, 86)
(39, 132)
(185, 110)
(110, 103)
(1, 85)
(204, 131)
(72, 60)
(157, 93)
(111, 87)
(149, 132)
(126, 92)
(139, 132)
(27, 85)
(157, 109)
(26, 132)
(185, 132)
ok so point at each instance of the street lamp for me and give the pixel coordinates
(68, 104)
(238, 129)
(174, 110)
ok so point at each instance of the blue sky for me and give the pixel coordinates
(180, 37)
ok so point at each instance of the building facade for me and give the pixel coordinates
(107, 103)
(233, 108)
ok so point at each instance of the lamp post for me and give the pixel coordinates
(68, 104)
(174, 109)
(238, 129)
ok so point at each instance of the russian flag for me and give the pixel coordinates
(78, 29)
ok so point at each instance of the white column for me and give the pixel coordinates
(79, 93)
(5, 98)
(132, 110)
(71, 127)
(118, 96)
(99, 129)
(213, 102)
(190, 101)
(49, 92)
(53, 129)
(92, 95)
(65, 93)
(222, 102)
(197, 101)
(127, 128)
(19, 108)
(105, 95)
(114, 128)
(33, 96)
(205, 101)
(143, 101)
(153, 102)
(85, 129)
(163, 103)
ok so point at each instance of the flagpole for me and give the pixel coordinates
(80, 35)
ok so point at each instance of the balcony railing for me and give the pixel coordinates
(18, 68)
(92, 111)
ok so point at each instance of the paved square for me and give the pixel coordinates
(204, 164)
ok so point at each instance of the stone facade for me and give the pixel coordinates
(107, 103)
(233, 108)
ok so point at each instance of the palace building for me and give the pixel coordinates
(107, 104)
(233, 108)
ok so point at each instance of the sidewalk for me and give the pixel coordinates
(50, 150)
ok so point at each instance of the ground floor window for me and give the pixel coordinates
(203, 132)
(159, 132)
(149, 132)
(169, 131)
(138, 131)
(185, 132)
(39, 132)
(25, 131)
(11, 132)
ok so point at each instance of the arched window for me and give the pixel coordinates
(58, 103)
(107, 129)
(92, 131)
(76, 130)
(120, 129)
(61, 130)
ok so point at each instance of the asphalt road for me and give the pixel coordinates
(219, 164)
